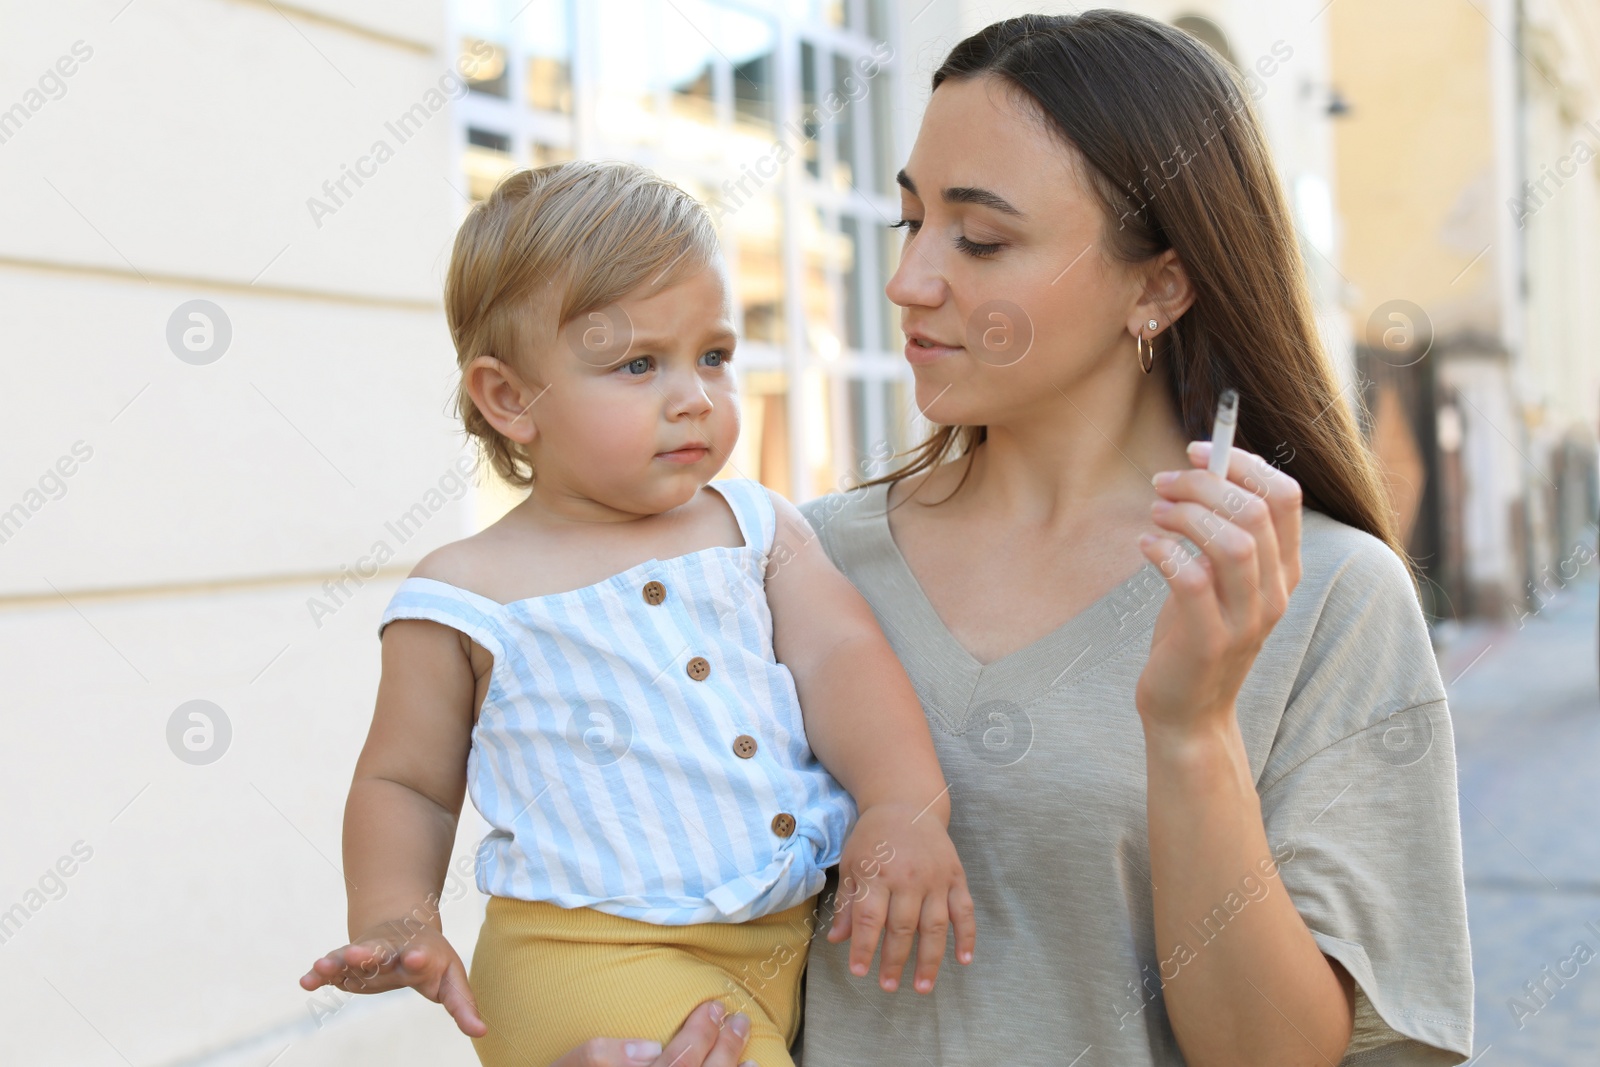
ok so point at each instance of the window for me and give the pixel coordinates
(488, 158)
(777, 114)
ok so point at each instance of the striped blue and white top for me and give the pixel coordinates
(640, 750)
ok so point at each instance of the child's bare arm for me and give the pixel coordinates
(400, 823)
(405, 799)
(865, 724)
(858, 704)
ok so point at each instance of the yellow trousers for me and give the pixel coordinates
(547, 979)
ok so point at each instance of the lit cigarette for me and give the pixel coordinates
(1222, 432)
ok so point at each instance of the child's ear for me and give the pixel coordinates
(503, 398)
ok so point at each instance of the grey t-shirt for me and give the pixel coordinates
(1349, 739)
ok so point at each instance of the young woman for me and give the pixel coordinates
(1206, 804)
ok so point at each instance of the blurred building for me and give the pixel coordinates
(1470, 199)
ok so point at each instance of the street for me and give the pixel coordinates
(1525, 701)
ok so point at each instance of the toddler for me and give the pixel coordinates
(616, 672)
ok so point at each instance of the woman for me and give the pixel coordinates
(1204, 822)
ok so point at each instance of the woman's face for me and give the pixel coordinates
(1005, 268)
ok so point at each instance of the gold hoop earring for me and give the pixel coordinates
(1141, 346)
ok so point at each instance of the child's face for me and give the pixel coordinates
(641, 426)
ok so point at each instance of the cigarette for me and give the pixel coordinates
(1222, 432)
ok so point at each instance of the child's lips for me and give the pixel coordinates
(687, 454)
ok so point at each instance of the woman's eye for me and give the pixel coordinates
(718, 357)
(637, 366)
(972, 248)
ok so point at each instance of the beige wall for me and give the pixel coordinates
(1561, 214)
(204, 508)
(1455, 105)
(1415, 160)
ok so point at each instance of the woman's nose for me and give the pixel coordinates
(917, 281)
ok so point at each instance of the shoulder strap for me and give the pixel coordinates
(449, 605)
(752, 507)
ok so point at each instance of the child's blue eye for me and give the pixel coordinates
(638, 366)
(718, 357)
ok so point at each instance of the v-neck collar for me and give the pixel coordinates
(951, 681)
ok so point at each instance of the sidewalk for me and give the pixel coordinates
(1526, 708)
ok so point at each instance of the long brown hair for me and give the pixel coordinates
(1178, 160)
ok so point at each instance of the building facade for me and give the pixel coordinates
(226, 437)
(1468, 196)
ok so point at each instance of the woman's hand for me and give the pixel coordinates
(900, 876)
(396, 954)
(709, 1038)
(1224, 601)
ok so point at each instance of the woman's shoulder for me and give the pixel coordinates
(1345, 569)
(834, 514)
(1353, 646)
(1327, 541)
(854, 510)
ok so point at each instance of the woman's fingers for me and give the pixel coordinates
(615, 1052)
(1242, 503)
(1231, 550)
(1193, 594)
(1281, 492)
(710, 1037)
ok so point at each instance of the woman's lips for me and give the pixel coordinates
(916, 353)
(691, 454)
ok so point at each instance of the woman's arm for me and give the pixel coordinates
(1250, 986)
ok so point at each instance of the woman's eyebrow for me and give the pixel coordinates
(966, 194)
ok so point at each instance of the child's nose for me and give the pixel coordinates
(687, 397)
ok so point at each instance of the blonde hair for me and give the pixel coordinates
(549, 245)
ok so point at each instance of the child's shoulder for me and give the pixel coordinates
(483, 563)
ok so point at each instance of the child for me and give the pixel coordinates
(616, 671)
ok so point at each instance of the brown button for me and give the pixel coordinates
(744, 746)
(654, 593)
(783, 824)
(698, 668)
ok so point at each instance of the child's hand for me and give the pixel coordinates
(392, 955)
(899, 874)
